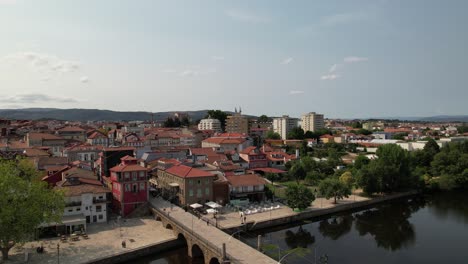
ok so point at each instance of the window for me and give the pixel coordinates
(190, 193)
(199, 193)
(135, 188)
(207, 181)
(70, 210)
(127, 175)
(142, 186)
(199, 182)
(142, 174)
(190, 182)
(98, 208)
(127, 187)
(100, 217)
(134, 176)
(207, 191)
(78, 209)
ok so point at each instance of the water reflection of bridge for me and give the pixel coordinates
(205, 240)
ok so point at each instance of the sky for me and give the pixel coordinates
(344, 59)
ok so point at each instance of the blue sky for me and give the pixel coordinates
(340, 58)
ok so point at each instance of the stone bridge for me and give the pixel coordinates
(204, 240)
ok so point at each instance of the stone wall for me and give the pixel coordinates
(139, 252)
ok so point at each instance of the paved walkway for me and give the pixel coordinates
(104, 240)
(235, 248)
(232, 219)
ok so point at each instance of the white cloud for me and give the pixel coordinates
(287, 61)
(43, 61)
(34, 98)
(293, 92)
(352, 59)
(217, 58)
(190, 71)
(334, 67)
(245, 16)
(84, 79)
(330, 77)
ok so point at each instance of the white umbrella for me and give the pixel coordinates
(211, 211)
(213, 205)
(196, 205)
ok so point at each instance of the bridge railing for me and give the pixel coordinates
(214, 247)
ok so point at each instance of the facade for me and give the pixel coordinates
(85, 202)
(97, 138)
(73, 133)
(185, 185)
(129, 186)
(55, 143)
(254, 157)
(210, 124)
(312, 122)
(237, 123)
(282, 125)
(228, 142)
(110, 157)
(82, 153)
(249, 186)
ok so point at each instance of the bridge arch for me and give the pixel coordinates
(197, 253)
(214, 261)
(168, 226)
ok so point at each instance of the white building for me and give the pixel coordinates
(312, 122)
(85, 202)
(210, 124)
(282, 125)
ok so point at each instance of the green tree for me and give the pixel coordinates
(272, 135)
(347, 178)
(218, 114)
(299, 196)
(356, 124)
(400, 136)
(361, 161)
(431, 147)
(296, 133)
(297, 171)
(368, 180)
(169, 122)
(332, 187)
(263, 119)
(25, 204)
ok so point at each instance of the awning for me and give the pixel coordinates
(174, 184)
(211, 211)
(153, 181)
(213, 205)
(196, 205)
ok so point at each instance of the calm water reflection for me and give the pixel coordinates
(430, 229)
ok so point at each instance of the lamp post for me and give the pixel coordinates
(58, 253)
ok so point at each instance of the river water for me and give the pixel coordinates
(429, 229)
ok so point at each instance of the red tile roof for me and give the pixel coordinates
(130, 167)
(245, 180)
(184, 171)
(71, 129)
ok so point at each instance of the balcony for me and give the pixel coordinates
(97, 200)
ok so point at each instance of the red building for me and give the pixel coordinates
(254, 157)
(129, 185)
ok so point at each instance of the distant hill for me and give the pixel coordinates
(92, 114)
(89, 114)
(442, 118)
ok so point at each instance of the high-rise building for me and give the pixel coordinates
(237, 123)
(282, 125)
(210, 124)
(312, 122)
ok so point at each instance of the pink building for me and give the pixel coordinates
(129, 185)
(254, 157)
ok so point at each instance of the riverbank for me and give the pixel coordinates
(141, 235)
(320, 207)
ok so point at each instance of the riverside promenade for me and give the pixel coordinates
(105, 241)
(230, 222)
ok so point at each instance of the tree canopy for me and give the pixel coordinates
(296, 133)
(299, 196)
(272, 135)
(334, 188)
(25, 203)
(263, 119)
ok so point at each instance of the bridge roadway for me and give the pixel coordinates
(207, 237)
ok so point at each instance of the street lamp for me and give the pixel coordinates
(58, 253)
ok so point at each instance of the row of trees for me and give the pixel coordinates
(176, 122)
(395, 169)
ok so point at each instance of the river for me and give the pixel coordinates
(429, 229)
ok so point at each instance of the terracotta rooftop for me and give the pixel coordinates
(184, 171)
(71, 129)
(43, 136)
(245, 180)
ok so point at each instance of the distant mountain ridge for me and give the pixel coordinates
(77, 114)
